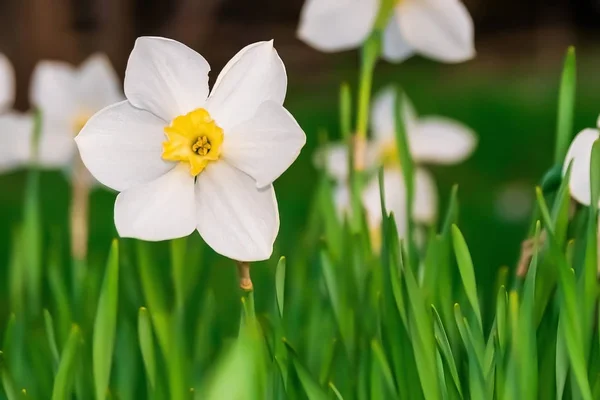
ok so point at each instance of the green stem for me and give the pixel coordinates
(369, 56)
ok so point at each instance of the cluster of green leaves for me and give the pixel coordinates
(341, 319)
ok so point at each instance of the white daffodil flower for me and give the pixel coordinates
(432, 140)
(185, 159)
(438, 29)
(580, 153)
(15, 128)
(67, 97)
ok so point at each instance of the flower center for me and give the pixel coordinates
(194, 138)
(202, 146)
(389, 154)
(79, 122)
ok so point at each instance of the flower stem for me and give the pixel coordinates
(79, 224)
(244, 275)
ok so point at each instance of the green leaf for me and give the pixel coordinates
(566, 107)
(7, 381)
(421, 332)
(280, 284)
(569, 306)
(467, 274)
(106, 323)
(311, 387)
(335, 391)
(477, 386)
(501, 329)
(446, 350)
(65, 376)
(32, 236)
(49, 325)
(408, 172)
(384, 366)
(147, 345)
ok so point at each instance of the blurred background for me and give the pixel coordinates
(508, 95)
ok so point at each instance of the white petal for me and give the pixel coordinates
(54, 89)
(439, 29)
(235, 218)
(383, 122)
(336, 25)
(159, 210)
(333, 157)
(56, 145)
(166, 77)
(341, 200)
(442, 141)
(395, 199)
(15, 140)
(254, 75)
(7, 83)
(98, 85)
(395, 48)
(426, 197)
(580, 152)
(265, 146)
(122, 146)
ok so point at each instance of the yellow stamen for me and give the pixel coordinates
(194, 138)
(79, 121)
(389, 154)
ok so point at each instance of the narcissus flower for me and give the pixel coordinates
(67, 97)
(580, 153)
(437, 29)
(15, 128)
(186, 160)
(432, 140)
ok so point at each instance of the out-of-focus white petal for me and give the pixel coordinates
(383, 116)
(337, 25)
(122, 146)
(15, 140)
(395, 199)
(333, 157)
(395, 48)
(98, 85)
(56, 146)
(166, 77)
(7, 83)
(426, 197)
(254, 75)
(341, 200)
(234, 217)
(266, 145)
(54, 89)
(580, 152)
(158, 210)
(383, 121)
(439, 29)
(441, 140)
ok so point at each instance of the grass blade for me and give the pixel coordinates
(63, 383)
(106, 323)
(566, 107)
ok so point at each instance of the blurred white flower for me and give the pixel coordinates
(67, 97)
(184, 159)
(15, 127)
(580, 152)
(514, 201)
(432, 140)
(438, 29)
